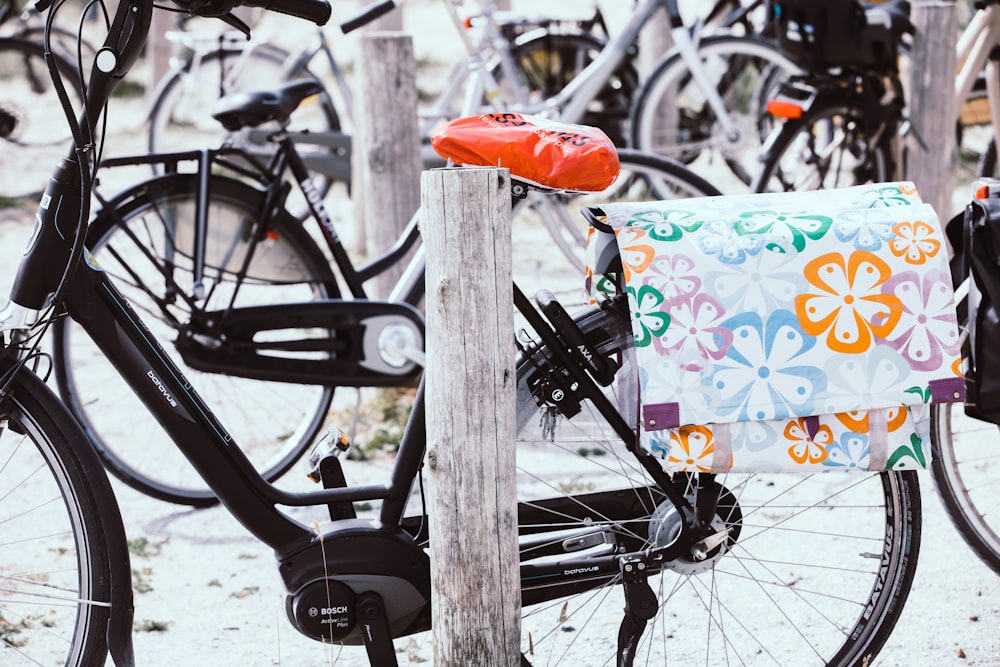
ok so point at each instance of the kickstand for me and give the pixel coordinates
(640, 606)
(375, 630)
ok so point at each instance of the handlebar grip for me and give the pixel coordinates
(367, 15)
(317, 11)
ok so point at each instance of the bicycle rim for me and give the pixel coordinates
(826, 149)
(54, 583)
(671, 116)
(33, 129)
(817, 572)
(966, 469)
(273, 422)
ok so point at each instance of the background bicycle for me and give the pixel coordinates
(32, 131)
(248, 593)
(843, 127)
(149, 237)
(718, 109)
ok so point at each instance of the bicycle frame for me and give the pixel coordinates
(975, 44)
(409, 289)
(92, 300)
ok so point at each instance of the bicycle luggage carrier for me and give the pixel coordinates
(795, 332)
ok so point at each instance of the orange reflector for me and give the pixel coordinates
(784, 109)
(983, 192)
(467, 22)
(272, 235)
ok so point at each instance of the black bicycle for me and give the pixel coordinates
(193, 250)
(800, 569)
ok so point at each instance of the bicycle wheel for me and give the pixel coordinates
(966, 469)
(671, 116)
(34, 134)
(548, 61)
(181, 116)
(643, 177)
(272, 421)
(54, 573)
(815, 570)
(827, 148)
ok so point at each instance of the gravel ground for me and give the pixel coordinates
(208, 594)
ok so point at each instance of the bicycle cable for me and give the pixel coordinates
(83, 149)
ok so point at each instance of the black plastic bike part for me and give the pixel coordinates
(640, 606)
(350, 558)
(316, 11)
(706, 500)
(255, 107)
(599, 366)
(325, 468)
(378, 641)
(367, 15)
(325, 610)
(248, 342)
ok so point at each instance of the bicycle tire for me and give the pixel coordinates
(987, 166)
(800, 585)
(180, 117)
(547, 61)
(274, 422)
(643, 177)
(670, 116)
(826, 148)
(33, 129)
(965, 467)
(54, 566)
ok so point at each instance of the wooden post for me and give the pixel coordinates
(386, 145)
(475, 580)
(158, 50)
(932, 166)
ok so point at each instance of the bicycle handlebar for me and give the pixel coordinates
(67, 193)
(317, 11)
(367, 15)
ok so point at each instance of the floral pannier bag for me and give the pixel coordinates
(785, 332)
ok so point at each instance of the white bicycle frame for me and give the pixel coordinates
(980, 36)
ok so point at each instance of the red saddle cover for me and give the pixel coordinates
(556, 155)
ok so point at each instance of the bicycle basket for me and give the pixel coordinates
(795, 332)
(822, 34)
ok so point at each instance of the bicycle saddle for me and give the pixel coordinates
(538, 151)
(252, 108)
